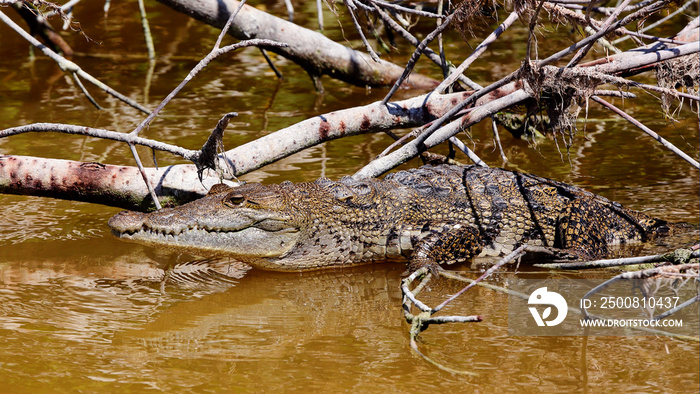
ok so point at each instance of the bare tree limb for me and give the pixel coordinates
(180, 183)
(317, 54)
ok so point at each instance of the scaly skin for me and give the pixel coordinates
(428, 216)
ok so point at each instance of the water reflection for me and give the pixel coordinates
(126, 319)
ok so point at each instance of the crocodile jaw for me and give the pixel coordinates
(244, 239)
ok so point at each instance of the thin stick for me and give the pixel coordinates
(100, 133)
(497, 138)
(647, 130)
(350, 5)
(416, 54)
(199, 67)
(400, 8)
(409, 294)
(441, 48)
(290, 9)
(583, 51)
(477, 52)
(85, 92)
(415, 42)
(657, 23)
(470, 153)
(151, 191)
(69, 66)
(147, 31)
(270, 63)
(319, 12)
(227, 26)
(505, 260)
(609, 263)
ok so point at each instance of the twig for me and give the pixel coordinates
(270, 63)
(290, 9)
(583, 51)
(69, 66)
(85, 92)
(416, 54)
(531, 31)
(203, 63)
(647, 130)
(100, 133)
(512, 256)
(147, 31)
(350, 5)
(603, 10)
(319, 12)
(415, 42)
(497, 138)
(477, 52)
(614, 93)
(644, 12)
(441, 48)
(609, 263)
(397, 7)
(470, 153)
(151, 191)
(660, 21)
(407, 292)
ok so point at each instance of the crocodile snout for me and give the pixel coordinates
(126, 222)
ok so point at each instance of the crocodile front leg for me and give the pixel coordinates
(447, 243)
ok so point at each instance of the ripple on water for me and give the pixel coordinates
(27, 219)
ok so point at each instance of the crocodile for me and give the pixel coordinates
(430, 215)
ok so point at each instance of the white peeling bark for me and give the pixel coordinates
(313, 51)
(122, 186)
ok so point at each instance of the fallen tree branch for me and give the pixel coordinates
(313, 51)
(414, 148)
(180, 183)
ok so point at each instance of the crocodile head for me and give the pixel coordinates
(252, 222)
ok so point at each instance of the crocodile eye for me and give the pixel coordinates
(233, 200)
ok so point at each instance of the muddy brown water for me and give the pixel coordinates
(82, 311)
